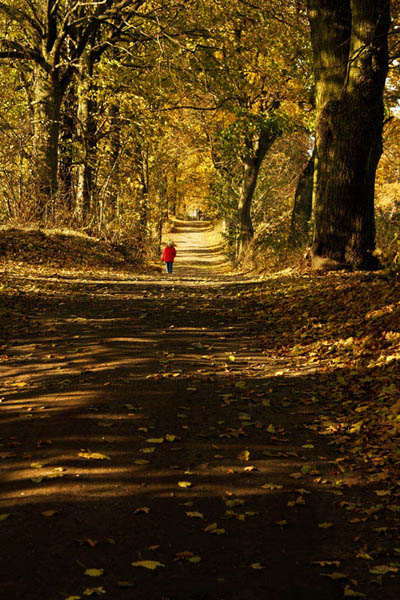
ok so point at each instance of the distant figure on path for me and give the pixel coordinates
(168, 256)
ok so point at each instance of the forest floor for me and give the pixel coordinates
(200, 436)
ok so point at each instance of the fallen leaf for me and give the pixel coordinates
(334, 576)
(325, 525)
(4, 516)
(383, 569)
(141, 461)
(244, 456)
(155, 440)
(195, 515)
(49, 513)
(94, 572)
(126, 584)
(96, 591)
(142, 509)
(257, 566)
(94, 455)
(194, 559)
(213, 528)
(170, 438)
(184, 484)
(148, 564)
(349, 593)
(271, 486)
(271, 429)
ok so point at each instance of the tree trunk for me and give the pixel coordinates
(115, 149)
(302, 209)
(67, 135)
(350, 48)
(87, 138)
(47, 98)
(252, 166)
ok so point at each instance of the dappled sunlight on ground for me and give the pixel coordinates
(205, 414)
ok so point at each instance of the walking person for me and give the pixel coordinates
(168, 256)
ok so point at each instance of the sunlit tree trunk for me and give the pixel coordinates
(252, 163)
(349, 39)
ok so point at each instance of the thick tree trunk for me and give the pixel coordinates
(302, 208)
(252, 166)
(47, 98)
(350, 48)
(87, 138)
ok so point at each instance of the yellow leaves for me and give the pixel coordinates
(335, 576)
(94, 591)
(234, 502)
(148, 450)
(170, 438)
(383, 492)
(4, 516)
(257, 566)
(94, 572)
(214, 529)
(383, 569)
(141, 461)
(364, 555)
(148, 564)
(155, 440)
(195, 515)
(188, 556)
(271, 486)
(298, 502)
(349, 593)
(93, 455)
(244, 456)
(185, 484)
(296, 475)
(36, 465)
(271, 429)
(325, 525)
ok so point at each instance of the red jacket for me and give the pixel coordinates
(168, 254)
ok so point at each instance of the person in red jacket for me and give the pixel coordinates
(168, 256)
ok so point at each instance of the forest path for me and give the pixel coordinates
(160, 441)
(200, 251)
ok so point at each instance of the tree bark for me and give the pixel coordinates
(302, 208)
(115, 150)
(87, 139)
(252, 164)
(350, 48)
(48, 93)
(67, 136)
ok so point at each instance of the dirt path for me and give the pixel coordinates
(156, 446)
